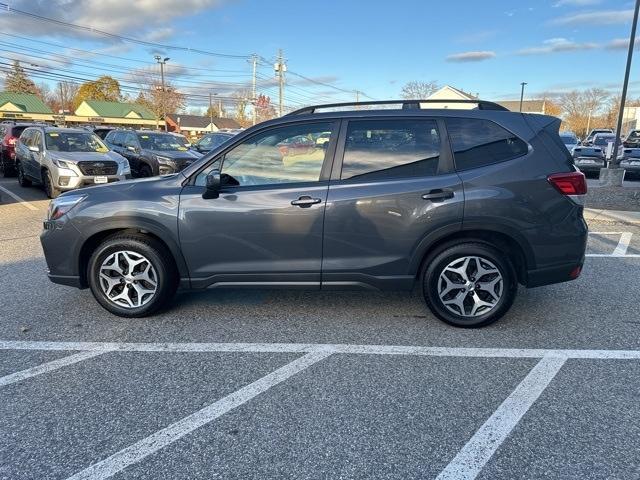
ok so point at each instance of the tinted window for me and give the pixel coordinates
(165, 142)
(271, 158)
(568, 139)
(478, 142)
(391, 148)
(129, 140)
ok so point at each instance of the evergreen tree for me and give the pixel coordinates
(17, 81)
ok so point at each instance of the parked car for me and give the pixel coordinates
(151, 153)
(102, 131)
(570, 140)
(589, 159)
(184, 141)
(632, 140)
(391, 201)
(630, 161)
(210, 141)
(63, 159)
(589, 140)
(9, 134)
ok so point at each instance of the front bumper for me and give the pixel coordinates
(71, 183)
(60, 242)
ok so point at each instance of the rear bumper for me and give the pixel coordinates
(555, 274)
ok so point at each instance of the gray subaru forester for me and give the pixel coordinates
(468, 203)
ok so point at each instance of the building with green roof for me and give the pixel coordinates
(23, 106)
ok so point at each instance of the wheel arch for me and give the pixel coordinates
(94, 239)
(505, 240)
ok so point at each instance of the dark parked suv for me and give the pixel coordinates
(151, 153)
(468, 203)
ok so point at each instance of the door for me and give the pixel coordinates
(34, 164)
(131, 150)
(393, 184)
(265, 228)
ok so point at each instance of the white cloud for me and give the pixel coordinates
(602, 17)
(620, 44)
(576, 3)
(136, 18)
(556, 45)
(476, 56)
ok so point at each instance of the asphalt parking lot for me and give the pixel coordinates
(259, 384)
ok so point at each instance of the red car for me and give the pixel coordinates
(296, 146)
(9, 134)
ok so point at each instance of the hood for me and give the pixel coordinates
(175, 154)
(86, 156)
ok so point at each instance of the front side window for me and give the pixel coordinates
(74, 142)
(389, 148)
(268, 158)
(478, 142)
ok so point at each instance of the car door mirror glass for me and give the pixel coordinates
(34, 148)
(212, 184)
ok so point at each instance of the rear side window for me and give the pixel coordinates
(379, 149)
(478, 142)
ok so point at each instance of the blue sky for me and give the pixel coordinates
(486, 47)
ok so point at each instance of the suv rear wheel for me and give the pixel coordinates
(132, 275)
(469, 284)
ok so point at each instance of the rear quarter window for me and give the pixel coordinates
(477, 142)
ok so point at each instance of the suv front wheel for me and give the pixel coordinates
(469, 284)
(132, 275)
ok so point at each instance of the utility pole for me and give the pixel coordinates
(632, 41)
(211, 113)
(162, 62)
(280, 67)
(522, 93)
(253, 87)
(62, 104)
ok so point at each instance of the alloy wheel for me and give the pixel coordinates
(128, 279)
(470, 286)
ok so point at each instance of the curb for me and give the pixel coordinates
(611, 217)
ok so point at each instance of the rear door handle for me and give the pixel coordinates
(438, 194)
(305, 201)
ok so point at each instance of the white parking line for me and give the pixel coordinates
(19, 199)
(325, 348)
(49, 366)
(468, 463)
(621, 249)
(145, 447)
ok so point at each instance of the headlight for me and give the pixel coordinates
(165, 161)
(62, 205)
(126, 168)
(62, 163)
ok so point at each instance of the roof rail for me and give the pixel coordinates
(406, 105)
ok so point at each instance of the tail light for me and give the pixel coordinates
(572, 183)
(10, 141)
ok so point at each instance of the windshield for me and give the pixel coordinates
(161, 141)
(568, 139)
(74, 142)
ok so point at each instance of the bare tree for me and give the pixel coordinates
(157, 100)
(417, 90)
(242, 100)
(582, 110)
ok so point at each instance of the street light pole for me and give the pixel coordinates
(632, 40)
(522, 93)
(162, 62)
(211, 113)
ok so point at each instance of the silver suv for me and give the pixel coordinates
(64, 159)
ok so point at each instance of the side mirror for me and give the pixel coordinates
(212, 185)
(131, 148)
(34, 148)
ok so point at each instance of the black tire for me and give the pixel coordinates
(157, 255)
(49, 188)
(23, 181)
(446, 255)
(145, 171)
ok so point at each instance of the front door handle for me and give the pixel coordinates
(438, 194)
(305, 201)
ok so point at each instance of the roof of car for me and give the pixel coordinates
(49, 128)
